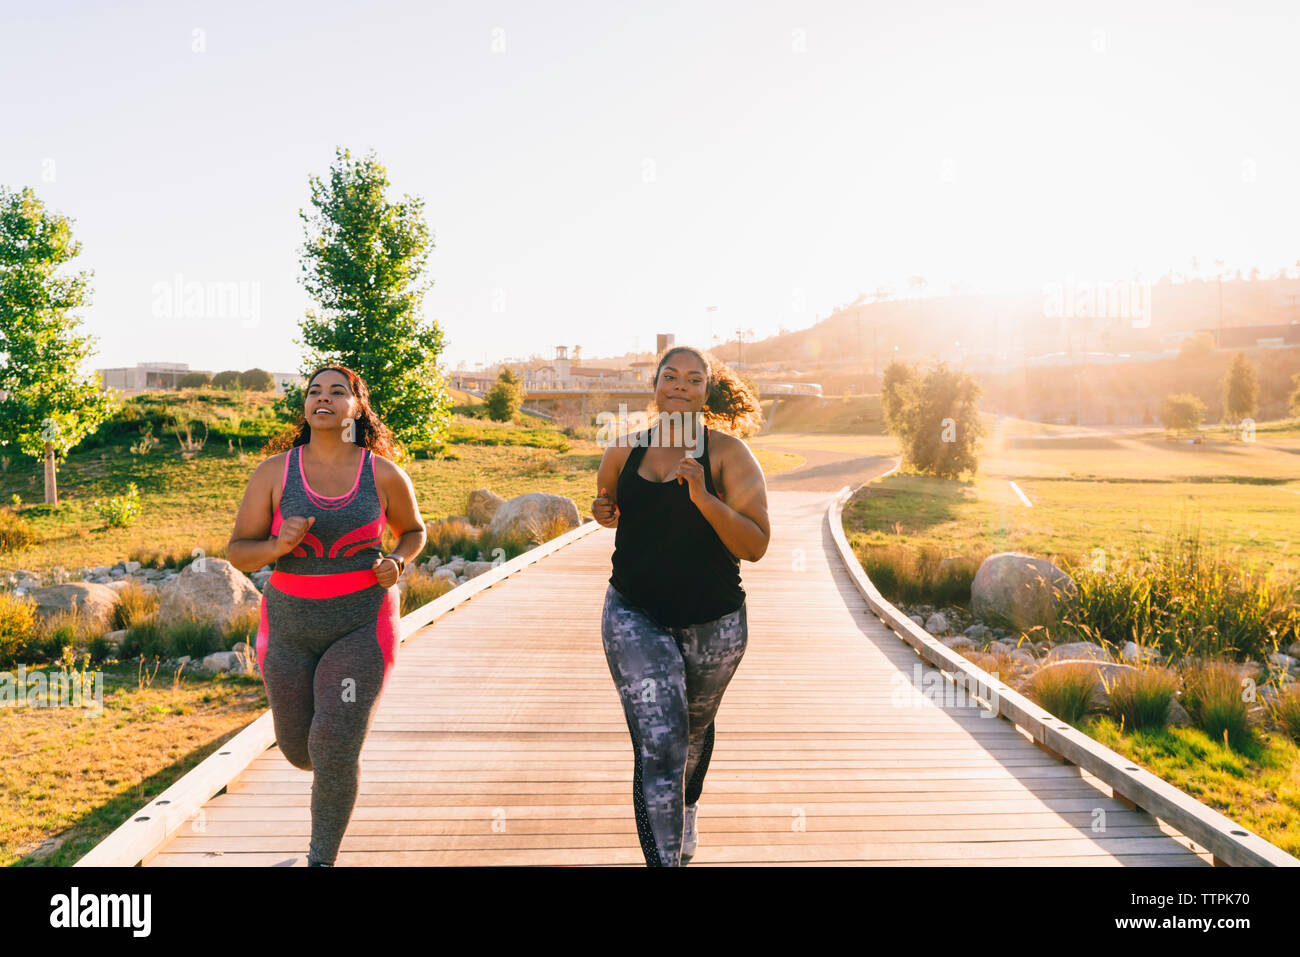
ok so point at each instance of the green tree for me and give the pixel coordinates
(505, 396)
(1182, 412)
(226, 379)
(257, 380)
(940, 427)
(1240, 390)
(48, 407)
(194, 380)
(363, 262)
(897, 387)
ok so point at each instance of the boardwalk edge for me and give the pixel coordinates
(1229, 842)
(144, 833)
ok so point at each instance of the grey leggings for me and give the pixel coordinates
(325, 662)
(670, 681)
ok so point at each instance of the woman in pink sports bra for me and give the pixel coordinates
(330, 622)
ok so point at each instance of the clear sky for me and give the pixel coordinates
(597, 172)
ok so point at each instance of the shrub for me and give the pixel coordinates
(422, 588)
(18, 622)
(1286, 712)
(15, 533)
(914, 575)
(194, 637)
(120, 511)
(62, 631)
(242, 626)
(1065, 691)
(133, 604)
(143, 639)
(1212, 695)
(1140, 699)
(454, 536)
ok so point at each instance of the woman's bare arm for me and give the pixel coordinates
(251, 544)
(402, 512)
(740, 521)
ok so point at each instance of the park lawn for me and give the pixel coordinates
(1122, 495)
(72, 775)
(1257, 786)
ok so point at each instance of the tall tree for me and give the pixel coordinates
(363, 262)
(940, 425)
(505, 396)
(48, 407)
(1240, 390)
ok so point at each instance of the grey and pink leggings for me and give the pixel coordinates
(670, 681)
(325, 646)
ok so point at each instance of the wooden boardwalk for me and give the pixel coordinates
(500, 740)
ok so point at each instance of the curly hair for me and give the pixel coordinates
(369, 431)
(729, 403)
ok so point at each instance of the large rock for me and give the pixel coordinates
(1020, 591)
(95, 602)
(1076, 651)
(217, 593)
(537, 516)
(483, 505)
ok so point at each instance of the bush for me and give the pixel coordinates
(242, 626)
(1286, 712)
(134, 604)
(1212, 695)
(1141, 699)
(453, 536)
(1065, 691)
(194, 637)
(62, 631)
(914, 575)
(120, 511)
(18, 623)
(422, 588)
(144, 639)
(15, 533)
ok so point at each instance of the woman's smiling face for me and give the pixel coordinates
(682, 385)
(329, 400)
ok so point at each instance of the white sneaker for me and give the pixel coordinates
(689, 835)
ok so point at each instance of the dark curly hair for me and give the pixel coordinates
(729, 404)
(369, 430)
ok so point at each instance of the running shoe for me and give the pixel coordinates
(690, 837)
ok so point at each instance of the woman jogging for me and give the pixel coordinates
(330, 612)
(674, 622)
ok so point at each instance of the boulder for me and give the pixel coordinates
(1077, 651)
(474, 569)
(918, 619)
(1134, 653)
(535, 516)
(446, 573)
(482, 506)
(95, 602)
(1178, 716)
(115, 638)
(1020, 591)
(220, 661)
(959, 643)
(1282, 662)
(937, 624)
(217, 593)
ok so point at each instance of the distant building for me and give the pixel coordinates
(1247, 337)
(154, 376)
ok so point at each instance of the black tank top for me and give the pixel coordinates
(668, 560)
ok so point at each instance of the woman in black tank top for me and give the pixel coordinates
(688, 503)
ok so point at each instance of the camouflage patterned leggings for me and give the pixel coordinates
(670, 681)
